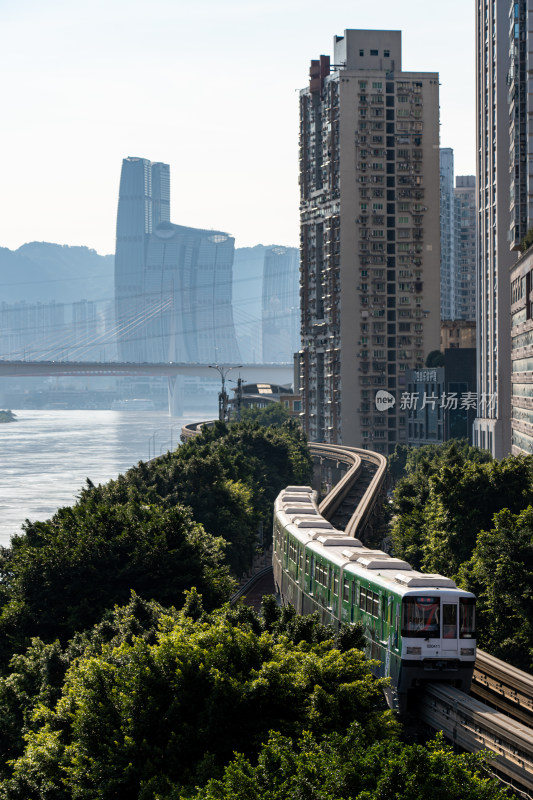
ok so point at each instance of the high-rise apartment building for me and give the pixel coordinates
(492, 425)
(457, 242)
(173, 283)
(369, 186)
(520, 85)
(465, 247)
(447, 235)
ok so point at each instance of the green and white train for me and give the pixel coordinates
(419, 627)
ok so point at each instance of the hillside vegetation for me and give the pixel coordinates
(461, 514)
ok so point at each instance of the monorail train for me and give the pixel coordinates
(419, 627)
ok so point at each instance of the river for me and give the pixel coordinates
(47, 456)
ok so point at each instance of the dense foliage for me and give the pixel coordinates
(161, 528)
(353, 767)
(461, 514)
(271, 414)
(146, 701)
(153, 704)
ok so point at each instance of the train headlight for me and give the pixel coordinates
(467, 651)
(414, 651)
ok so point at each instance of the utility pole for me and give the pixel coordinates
(223, 397)
(239, 398)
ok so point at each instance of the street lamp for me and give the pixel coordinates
(223, 397)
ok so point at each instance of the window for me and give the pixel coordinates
(386, 53)
(373, 52)
(421, 617)
(361, 54)
(403, 220)
(467, 618)
(377, 85)
(346, 591)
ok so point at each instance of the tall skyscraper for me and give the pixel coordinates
(172, 283)
(134, 225)
(492, 428)
(369, 187)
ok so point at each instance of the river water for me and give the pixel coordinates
(47, 455)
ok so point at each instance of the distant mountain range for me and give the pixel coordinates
(42, 272)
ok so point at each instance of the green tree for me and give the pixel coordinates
(500, 572)
(435, 359)
(60, 576)
(140, 714)
(272, 414)
(463, 500)
(352, 767)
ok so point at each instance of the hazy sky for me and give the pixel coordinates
(209, 87)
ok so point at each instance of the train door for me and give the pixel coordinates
(449, 628)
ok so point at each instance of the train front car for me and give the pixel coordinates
(438, 634)
(418, 627)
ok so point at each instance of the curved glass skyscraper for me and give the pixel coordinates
(172, 283)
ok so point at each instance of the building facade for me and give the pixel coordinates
(465, 248)
(447, 235)
(173, 284)
(492, 428)
(369, 192)
(522, 354)
(441, 402)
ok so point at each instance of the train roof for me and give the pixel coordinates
(320, 537)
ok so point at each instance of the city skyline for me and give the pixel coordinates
(215, 93)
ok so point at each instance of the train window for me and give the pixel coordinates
(449, 621)
(307, 564)
(467, 618)
(375, 605)
(346, 590)
(420, 617)
(362, 599)
(335, 584)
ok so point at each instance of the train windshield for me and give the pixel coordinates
(421, 617)
(467, 618)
